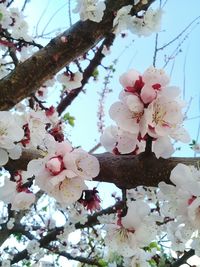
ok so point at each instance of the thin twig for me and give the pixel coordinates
(179, 35)
(183, 259)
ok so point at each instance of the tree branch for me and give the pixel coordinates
(32, 73)
(51, 236)
(183, 259)
(125, 171)
(94, 63)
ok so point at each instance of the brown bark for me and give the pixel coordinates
(125, 171)
(28, 76)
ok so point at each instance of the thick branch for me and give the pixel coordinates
(125, 171)
(31, 74)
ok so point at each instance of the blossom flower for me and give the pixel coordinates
(10, 224)
(162, 147)
(9, 137)
(70, 81)
(19, 198)
(154, 81)
(127, 113)
(23, 200)
(90, 9)
(121, 21)
(178, 234)
(33, 246)
(6, 263)
(131, 232)
(132, 81)
(115, 138)
(183, 199)
(162, 116)
(149, 23)
(34, 125)
(145, 24)
(5, 19)
(19, 29)
(141, 258)
(63, 171)
(82, 163)
(148, 106)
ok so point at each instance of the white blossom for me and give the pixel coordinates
(5, 19)
(128, 113)
(183, 199)
(149, 23)
(10, 134)
(63, 171)
(90, 9)
(10, 224)
(122, 19)
(132, 232)
(70, 81)
(23, 200)
(6, 263)
(33, 247)
(114, 137)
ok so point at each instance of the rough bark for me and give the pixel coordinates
(125, 171)
(28, 76)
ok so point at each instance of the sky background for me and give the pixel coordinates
(132, 52)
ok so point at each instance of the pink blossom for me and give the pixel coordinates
(55, 165)
(132, 81)
(63, 171)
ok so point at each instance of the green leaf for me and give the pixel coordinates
(18, 236)
(68, 118)
(44, 208)
(27, 263)
(152, 263)
(102, 263)
(154, 245)
(95, 73)
(1, 16)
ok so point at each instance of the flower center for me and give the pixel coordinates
(137, 116)
(3, 131)
(55, 165)
(158, 116)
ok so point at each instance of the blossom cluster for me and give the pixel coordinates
(129, 234)
(180, 202)
(13, 20)
(30, 129)
(70, 81)
(142, 25)
(61, 173)
(147, 107)
(90, 9)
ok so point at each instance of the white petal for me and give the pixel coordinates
(3, 157)
(15, 153)
(162, 147)
(109, 138)
(7, 191)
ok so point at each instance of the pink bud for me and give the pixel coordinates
(55, 165)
